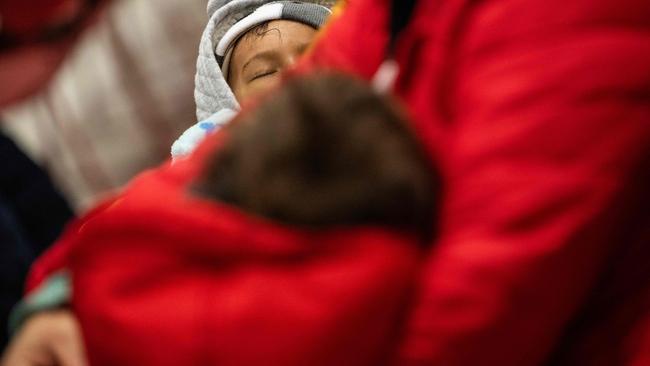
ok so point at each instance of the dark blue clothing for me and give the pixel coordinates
(32, 215)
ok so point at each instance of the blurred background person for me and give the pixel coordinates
(88, 110)
(32, 215)
(35, 36)
(122, 96)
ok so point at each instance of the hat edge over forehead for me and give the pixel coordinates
(212, 92)
(226, 13)
(310, 14)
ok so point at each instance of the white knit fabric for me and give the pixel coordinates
(193, 136)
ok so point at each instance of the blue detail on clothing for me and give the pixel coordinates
(207, 126)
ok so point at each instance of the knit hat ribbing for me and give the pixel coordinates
(313, 15)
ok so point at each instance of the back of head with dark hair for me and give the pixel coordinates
(325, 150)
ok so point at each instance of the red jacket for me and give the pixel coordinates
(538, 113)
(162, 277)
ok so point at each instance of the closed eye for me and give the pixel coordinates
(263, 74)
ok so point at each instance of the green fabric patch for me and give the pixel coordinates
(52, 294)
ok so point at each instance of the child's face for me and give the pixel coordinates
(259, 58)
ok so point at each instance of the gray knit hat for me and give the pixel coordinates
(313, 15)
(212, 92)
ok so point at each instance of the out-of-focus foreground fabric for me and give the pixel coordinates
(538, 113)
(118, 102)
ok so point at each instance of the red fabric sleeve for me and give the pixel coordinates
(538, 114)
(549, 129)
